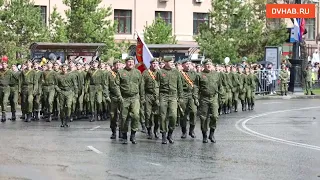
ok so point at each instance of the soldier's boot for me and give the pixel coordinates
(29, 117)
(220, 110)
(155, 133)
(49, 118)
(124, 138)
(92, 119)
(120, 134)
(149, 133)
(3, 118)
(67, 120)
(285, 93)
(204, 137)
(225, 109)
(98, 115)
(36, 115)
(211, 136)
(236, 107)
(133, 137)
(62, 122)
(312, 93)
(178, 122)
(229, 109)
(191, 131)
(143, 128)
(164, 138)
(281, 93)
(13, 116)
(244, 108)
(252, 106)
(114, 133)
(23, 116)
(169, 137)
(184, 132)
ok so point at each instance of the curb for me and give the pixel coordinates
(288, 97)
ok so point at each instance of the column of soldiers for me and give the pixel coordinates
(162, 97)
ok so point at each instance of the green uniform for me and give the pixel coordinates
(49, 81)
(254, 81)
(236, 85)
(56, 103)
(66, 83)
(114, 105)
(284, 77)
(79, 100)
(207, 87)
(243, 91)
(29, 89)
(86, 98)
(188, 106)
(37, 96)
(229, 87)
(105, 104)
(14, 93)
(75, 75)
(308, 79)
(130, 83)
(223, 96)
(248, 87)
(96, 87)
(151, 108)
(5, 76)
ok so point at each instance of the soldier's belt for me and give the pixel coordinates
(48, 84)
(125, 95)
(4, 85)
(66, 89)
(27, 84)
(207, 94)
(169, 93)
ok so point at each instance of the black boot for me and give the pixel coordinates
(155, 133)
(204, 137)
(98, 117)
(13, 117)
(169, 137)
(184, 132)
(120, 134)
(211, 136)
(164, 138)
(143, 128)
(124, 138)
(3, 118)
(92, 118)
(29, 117)
(62, 122)
(191, 131)
(225, 109)
(229, 109)
(36, 115)
(133, 137)
(149, 134)
(312, 93)
(252, 106)
(114, 134)
(23, 116)
(235, 106)
(67, 121)
(50, 118)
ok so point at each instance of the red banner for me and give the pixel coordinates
(139, 48)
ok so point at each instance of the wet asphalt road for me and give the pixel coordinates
(250, 145)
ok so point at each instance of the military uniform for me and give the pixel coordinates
(79, 102)
(114, 104)
(188, 107)
(207, 86)
(236, 85)
(37, 96)
(14, 93)
(5, 76)
(170, 93)
(243, 90)
(130, 83)
(49, 81)
(308, 79)
(254, 81)
(229, 87)
(223, 93)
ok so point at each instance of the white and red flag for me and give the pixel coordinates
(143, 55)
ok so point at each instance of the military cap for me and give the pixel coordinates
(244, 59)
(29, 60)
(186, 60)
(116, 61)
(168, 58)
(207, 61)
(49, 62)
(64, 65)
(154, 60)
(129, 58)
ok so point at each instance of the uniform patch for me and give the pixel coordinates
(163, 74)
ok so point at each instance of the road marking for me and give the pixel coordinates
(273, 103)
(270, 138)
(94, 150)
(155, 164)
(94, 128)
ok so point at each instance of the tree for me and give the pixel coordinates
(117, 51)
(238, 29)
(159, 32)
(88, 22)
(58, 28)
(21, 24)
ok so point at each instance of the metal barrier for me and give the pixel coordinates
(269, 81)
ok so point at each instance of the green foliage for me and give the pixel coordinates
(20, 25)
(159, 32)
(88, 22)
(58, 28)
(237, 30)
(119, 49)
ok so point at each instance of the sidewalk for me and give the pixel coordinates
(289, 96)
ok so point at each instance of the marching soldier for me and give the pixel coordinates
(81, 80)
(229, 87)
(207, 87)
(170, 94)
(151, 108)
(49, 81)
(66, 83)
(189, 106)
(5, 76)
(223, 93)
(254, 82)
(243, 88)
(180, 112)
(14, 91)
(284, 77)
(249, 84)
(29, 88)
(86, 97)
(236, 85)
(75, 74)
(130, 82)
(56, 104)
(37, 96)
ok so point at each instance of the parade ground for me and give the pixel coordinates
(278, 140)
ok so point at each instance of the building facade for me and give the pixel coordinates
(185, 16)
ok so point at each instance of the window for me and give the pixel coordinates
(198, 19)
(43, 12)
(124, 19)
(165, 15)
(311, 29)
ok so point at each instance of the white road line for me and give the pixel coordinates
(94, 128)
(273, 103)
(155, 164)
(270, 138)
(94, 150)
